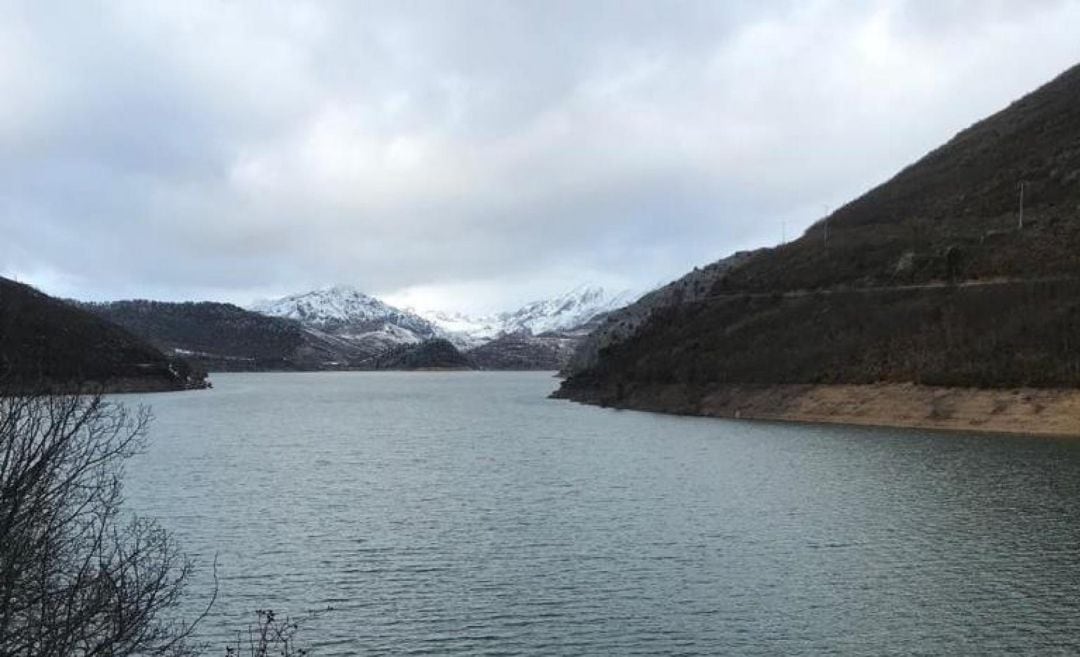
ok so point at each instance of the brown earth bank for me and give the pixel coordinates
(1032, 411)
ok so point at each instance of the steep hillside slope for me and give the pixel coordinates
(930, 278)
(956, 213)
(45, 341)
(620, 324)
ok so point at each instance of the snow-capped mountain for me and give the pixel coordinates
(565, 312)
(465, 331)
(345, 313)
(341, 305)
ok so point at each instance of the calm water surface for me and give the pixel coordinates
(465, 513)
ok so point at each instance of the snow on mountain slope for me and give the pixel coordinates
(622, 324)
(374, 326)
(348, 314)
(342, 306)
(465, 331)
(565, 312)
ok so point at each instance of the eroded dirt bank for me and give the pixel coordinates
(1021, 411)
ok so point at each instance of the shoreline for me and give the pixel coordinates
(389, 369)
(1016, 411)
(117, 386)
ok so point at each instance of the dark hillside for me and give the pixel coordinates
(988, 336)
(524, 351)
(45, 341)
(955, 212)
(220, 336)
(436, 354)
(223, 337)
(928, 278)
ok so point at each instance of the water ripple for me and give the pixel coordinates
(465, 514)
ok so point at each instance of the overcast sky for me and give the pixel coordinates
(469, 155)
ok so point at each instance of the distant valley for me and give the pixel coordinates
(341, 327)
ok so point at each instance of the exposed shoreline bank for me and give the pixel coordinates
(1028, 411)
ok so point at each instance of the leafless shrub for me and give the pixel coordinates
(77, 578)
(270, 636)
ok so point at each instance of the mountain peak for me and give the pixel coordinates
(345, 311)
(567, 311)
(341, 290)
(343, 306)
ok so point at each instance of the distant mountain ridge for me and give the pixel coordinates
(562, 313)
(342, 307)
(341, 327)
(374, 327)
(344, 312)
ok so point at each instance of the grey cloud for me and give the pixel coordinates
(237, 149)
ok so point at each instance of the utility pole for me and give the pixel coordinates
(1023, 184)
(783, 232)
(826, 227)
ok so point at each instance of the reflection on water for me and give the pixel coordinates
(465, 513)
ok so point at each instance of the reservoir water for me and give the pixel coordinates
(467, 514)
